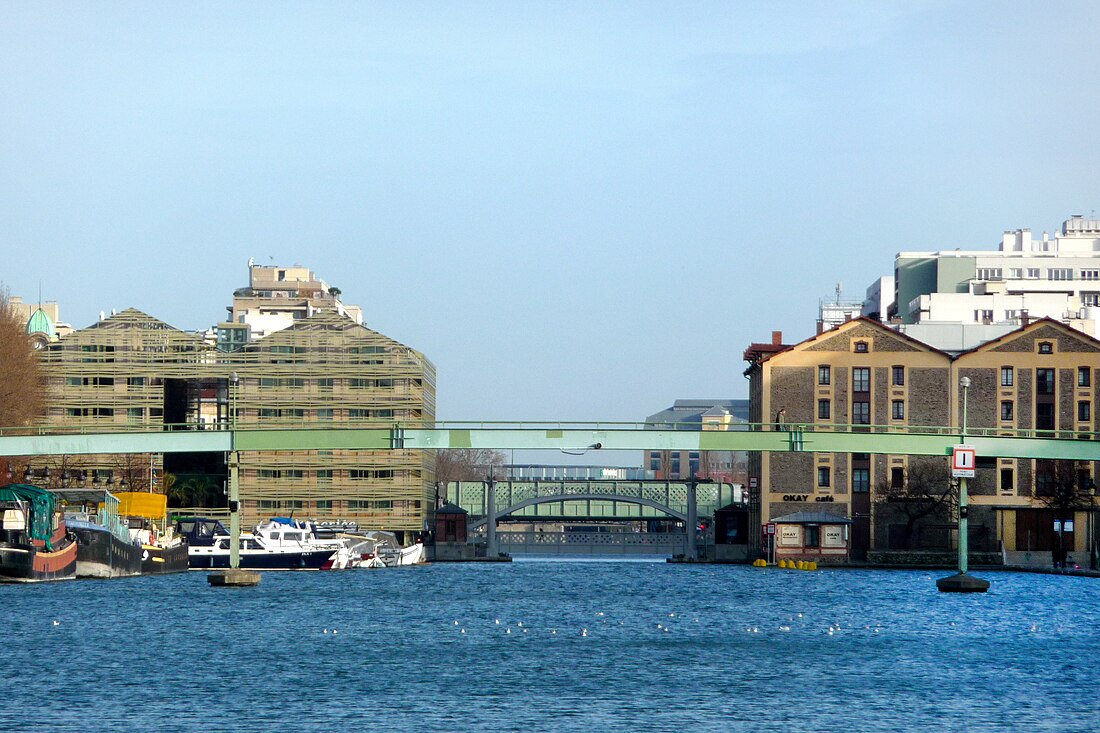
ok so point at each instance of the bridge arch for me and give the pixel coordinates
(478, 523)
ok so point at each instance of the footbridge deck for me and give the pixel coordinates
(572, 437)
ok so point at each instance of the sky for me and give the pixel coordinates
(576, 210)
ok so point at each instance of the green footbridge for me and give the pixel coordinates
(571, 437)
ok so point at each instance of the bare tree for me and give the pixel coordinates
(468, 464)
(22, 385)
(134, 469)
(927, 490)
(1064, 487)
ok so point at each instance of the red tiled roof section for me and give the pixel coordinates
(757, 352)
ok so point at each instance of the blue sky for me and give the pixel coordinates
(576, 210)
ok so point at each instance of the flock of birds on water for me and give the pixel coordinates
(663, 627)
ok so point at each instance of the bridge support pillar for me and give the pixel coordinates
(491, 518)
(690, 544)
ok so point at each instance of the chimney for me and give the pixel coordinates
(1025, 319)
(777, 338)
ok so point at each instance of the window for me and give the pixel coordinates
(325, 384)
(360, 474)
(1006, 479)
(675, 465)
(1006, 376)
(693, 463)
(135, 412)
(824, 409)
(1091, 300)
(135, 381)
(861, 379)
(1084, 411)
(267, 382)
(812, 534)
(897, 410)
(897, 477)
(294, 473)
(824, 375)
(862, 347)
(989, 273)
(1084, 377)
(1015, 273)
(324, 475)
(861, 480)
(654, 461)
(269, 413)
(324, 413)
(1059, 273)
(1033, 273)
(823, 477)
(1046, 347)
(324, 504)
(983, 316)
(861, 413)
(295, 382)
(897, 376)
(1090, 274)
(1044, 381)
(1044, 416)
(1006, 411)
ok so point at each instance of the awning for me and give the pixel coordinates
(812, 518)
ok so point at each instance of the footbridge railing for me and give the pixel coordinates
(572, 437)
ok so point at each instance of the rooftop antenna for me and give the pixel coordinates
(838, 289)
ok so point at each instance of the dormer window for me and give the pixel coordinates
(862, 347)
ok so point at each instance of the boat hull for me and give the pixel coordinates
(206, 558)
(100, 554)
(157, 560)
(29, 564)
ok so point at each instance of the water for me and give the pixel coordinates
(603, 645)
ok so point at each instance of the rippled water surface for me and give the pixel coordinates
(562, 646)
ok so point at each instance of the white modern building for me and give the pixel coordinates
(276, 298)
(1026, 278)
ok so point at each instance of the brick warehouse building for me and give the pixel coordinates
(863, 373)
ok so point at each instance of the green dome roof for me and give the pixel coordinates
(41, 323)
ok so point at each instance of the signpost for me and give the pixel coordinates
(963, 461)
(963, 458)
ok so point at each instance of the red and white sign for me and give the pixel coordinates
(963, 459)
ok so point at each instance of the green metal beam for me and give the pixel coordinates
(122, 442)
(931, 441)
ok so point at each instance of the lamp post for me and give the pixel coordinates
(234, 483)
(234, 576)
(961, 582)
(963, 509)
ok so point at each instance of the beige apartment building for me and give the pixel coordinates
(319, 368)
(867, 376)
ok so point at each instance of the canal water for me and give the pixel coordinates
(553, 646)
